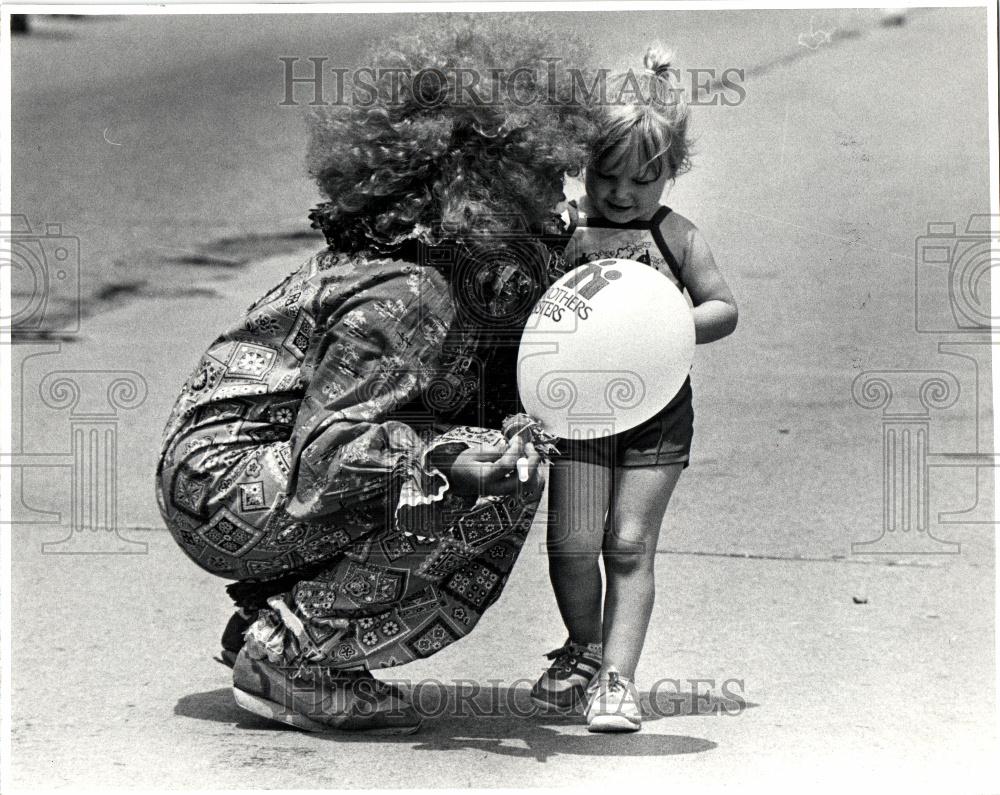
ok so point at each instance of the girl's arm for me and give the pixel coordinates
(715, 312)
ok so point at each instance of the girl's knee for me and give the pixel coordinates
(627, 562)
(628, 553)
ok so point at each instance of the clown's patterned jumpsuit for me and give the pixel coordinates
(297, 457)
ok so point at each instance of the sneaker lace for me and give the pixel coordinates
(312, 673)
(564, 658)
(615, 682)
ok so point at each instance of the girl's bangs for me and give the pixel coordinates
(652, 147)
(640, 137)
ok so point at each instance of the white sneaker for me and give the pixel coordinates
(613, 705)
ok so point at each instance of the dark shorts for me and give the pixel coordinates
(663, 439)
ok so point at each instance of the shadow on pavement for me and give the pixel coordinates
(504, 721)
(219, 706)
(525, 740)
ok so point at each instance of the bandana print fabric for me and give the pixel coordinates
(301, 441)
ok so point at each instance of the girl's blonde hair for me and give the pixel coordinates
(646, 113)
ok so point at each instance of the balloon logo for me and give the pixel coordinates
(606, 347)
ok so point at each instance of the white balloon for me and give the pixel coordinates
(607, 347)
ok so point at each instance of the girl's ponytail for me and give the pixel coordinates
(658, 59)
(665, 87)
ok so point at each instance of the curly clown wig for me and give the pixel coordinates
(466, 129)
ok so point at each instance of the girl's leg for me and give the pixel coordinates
(640, 500)
(579, 494)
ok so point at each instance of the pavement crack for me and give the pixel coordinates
(800, 558)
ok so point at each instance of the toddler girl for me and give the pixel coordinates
(607, 497)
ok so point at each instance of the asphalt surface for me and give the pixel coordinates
(160, 143)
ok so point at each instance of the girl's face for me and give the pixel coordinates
(622, 190)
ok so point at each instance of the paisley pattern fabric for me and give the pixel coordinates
(300, 446)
